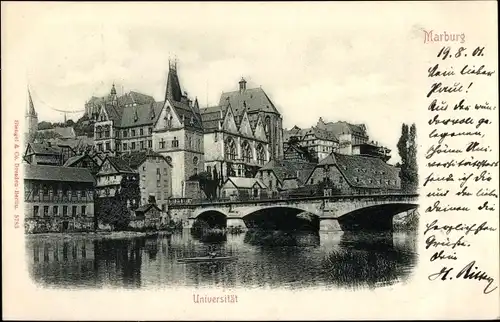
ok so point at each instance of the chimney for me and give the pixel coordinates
(243, 85)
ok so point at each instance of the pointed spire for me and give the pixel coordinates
(173, 91)
(31, 106)
(113, 90)
(196, 106)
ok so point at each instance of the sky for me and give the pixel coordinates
(331, 60)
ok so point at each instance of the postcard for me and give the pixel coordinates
(250, 161)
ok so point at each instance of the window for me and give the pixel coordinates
(150, 130)
(108, 146)
(175, 143)
(247, 152)
(230, 149)
(150, 144)
(143, 145)
(312, 180)
(99, 146)
(169, 159)
(73, 211)
(84, 210)
(195, 160)
(141, 131)
(124, 146)
(261, 155)
(133, 132)
(209, 169)
(55, 210)
(162, 144)
(133, 146)
(45, 190)
(106, 133)
(169, 121)
(198, 145)
(65, 210)
(189, 142)
(35, 211)
(45, 211)
(165, 171)
(195, 171)
(125, 133)
(36, 189)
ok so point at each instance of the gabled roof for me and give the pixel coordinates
(342, 127)
(140, 115)
(254, 99)
(135, 159)
(245, 183)
(57, 173)
(120, 165)
(146, 207)
(73, 160)
(362, 171)
(283, 169)
(322, 134)
(43, 149)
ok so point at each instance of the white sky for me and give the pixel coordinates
(340, 61)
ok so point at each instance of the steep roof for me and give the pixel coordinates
(133, 97)
(146, 207)
(44, 148)
(254, 100)
(120, 165)
(140, 115)
(71, 161)
(362, 171)
(57, 173)
(135, 159)
(284, 169)
(323, 134)
(342, 127)
(245, 183)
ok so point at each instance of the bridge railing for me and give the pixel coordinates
(278, 197)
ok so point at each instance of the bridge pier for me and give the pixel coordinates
(329, 224)
(234, 222)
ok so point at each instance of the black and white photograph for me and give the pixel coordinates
(229, 147)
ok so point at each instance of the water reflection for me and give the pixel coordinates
(264, 259)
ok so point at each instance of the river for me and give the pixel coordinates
(272, 259)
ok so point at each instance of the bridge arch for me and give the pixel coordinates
(281, 218)
(210, 218)
(373, 218)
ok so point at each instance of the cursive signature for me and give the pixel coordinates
(469, 272)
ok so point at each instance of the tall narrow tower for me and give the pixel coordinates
(31, 120)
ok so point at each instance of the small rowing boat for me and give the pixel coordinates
(207, 259)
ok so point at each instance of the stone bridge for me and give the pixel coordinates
(352, 212)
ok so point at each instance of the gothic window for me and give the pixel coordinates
(246, 151)
(162, 144)
(230, 149)
(267, 125)
(175, 142)
(261, 155)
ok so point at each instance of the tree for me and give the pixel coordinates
(40, 136)
(407, 149)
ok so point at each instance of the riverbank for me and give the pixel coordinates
(97, 235)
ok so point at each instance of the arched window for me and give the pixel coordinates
(267, 125)
(246, 151)
(98, 131)
(261, 155)
(230, 149)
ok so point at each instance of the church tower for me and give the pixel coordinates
(178, 135)
(31, 120)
